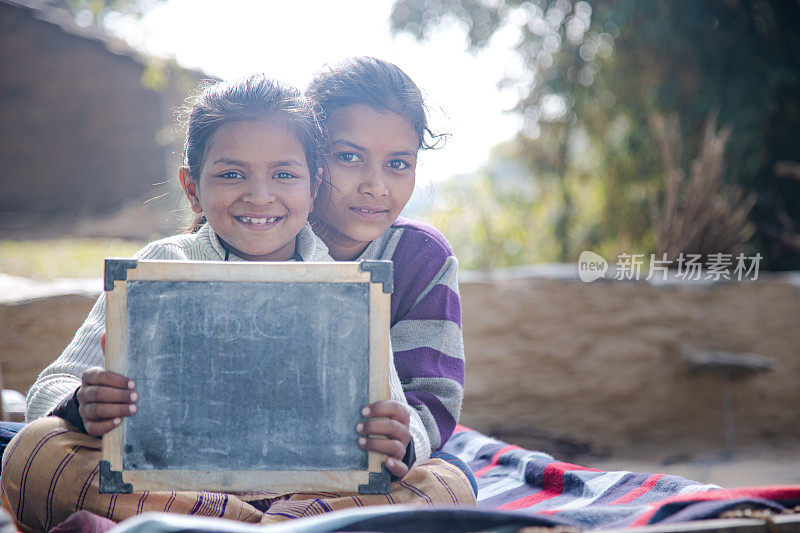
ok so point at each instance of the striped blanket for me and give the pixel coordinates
(516, 488)
(513, 479)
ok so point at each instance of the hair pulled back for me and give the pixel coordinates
(376, 83)
(255, 97)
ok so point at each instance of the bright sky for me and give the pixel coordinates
(292, 39)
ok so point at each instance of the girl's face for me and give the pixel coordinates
(372, 169)
(254, 188)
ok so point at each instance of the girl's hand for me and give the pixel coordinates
(104, 398)
(387, 419)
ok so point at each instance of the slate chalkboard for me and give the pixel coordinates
(248, 374)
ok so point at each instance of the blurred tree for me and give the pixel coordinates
(94, 12)
(598, 71)
(502, 215)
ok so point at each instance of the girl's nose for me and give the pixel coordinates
(259, 192)
(373, 183)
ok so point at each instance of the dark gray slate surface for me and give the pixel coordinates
(247, 375)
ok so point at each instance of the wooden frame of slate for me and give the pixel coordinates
(251, 375)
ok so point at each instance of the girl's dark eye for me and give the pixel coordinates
(284, 176)
(232, 175)
(348, 157)
(398, 164)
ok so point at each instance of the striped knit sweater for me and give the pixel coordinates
(63, 376)
(425, 323)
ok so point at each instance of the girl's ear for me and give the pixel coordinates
(190, 189)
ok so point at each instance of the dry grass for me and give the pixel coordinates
(61, 258)
(700, 214)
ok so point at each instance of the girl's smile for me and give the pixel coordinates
(372, 168)
(370, 213)
(257, 223)
(254, 188)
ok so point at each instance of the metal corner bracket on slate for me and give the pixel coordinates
(111, 481)
(379, 482)
(380, 272)
(117, 269)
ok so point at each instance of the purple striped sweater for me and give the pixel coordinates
(425, 323)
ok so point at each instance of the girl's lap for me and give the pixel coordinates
(8, 431)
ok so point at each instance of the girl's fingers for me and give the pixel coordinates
(393, 448)
(387, 427)
(100, 376)
(94, 412)
(98, 429)
(387, 409)
(101, 394)
(397, 468)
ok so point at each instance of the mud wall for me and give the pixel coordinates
(570, 367)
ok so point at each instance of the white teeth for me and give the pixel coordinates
(366, 210)
(258, 220)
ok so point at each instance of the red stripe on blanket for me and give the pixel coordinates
(646, 487)
(778, 493)
(552, 485)
(504, 450)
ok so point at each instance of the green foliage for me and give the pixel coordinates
(597, 71)
(502, 216)
(94, 12)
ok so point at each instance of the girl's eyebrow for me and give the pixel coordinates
(408, 153)
(350, 144)
(228, 161)
(287, 163)
(282, 163)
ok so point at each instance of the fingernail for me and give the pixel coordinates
(131, 385)
(133, 408)
(362, 441)
(134, 396)
(365, 411)
(117, 421)
(389, 462)
(360, 428)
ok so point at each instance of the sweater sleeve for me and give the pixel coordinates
(426, 334)
(62, 377)
(419, 434)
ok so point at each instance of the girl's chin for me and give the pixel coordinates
(250, 253)
(367, 235)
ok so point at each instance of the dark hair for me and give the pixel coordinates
(376, 83)
(252, 98)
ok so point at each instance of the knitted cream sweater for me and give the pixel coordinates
(63, 376)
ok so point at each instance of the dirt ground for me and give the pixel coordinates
(591, 373)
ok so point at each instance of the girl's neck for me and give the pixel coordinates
(340, 247)
(285, 253)
(344, 252)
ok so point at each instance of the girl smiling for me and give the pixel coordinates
(250, 175)
(376, 124)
